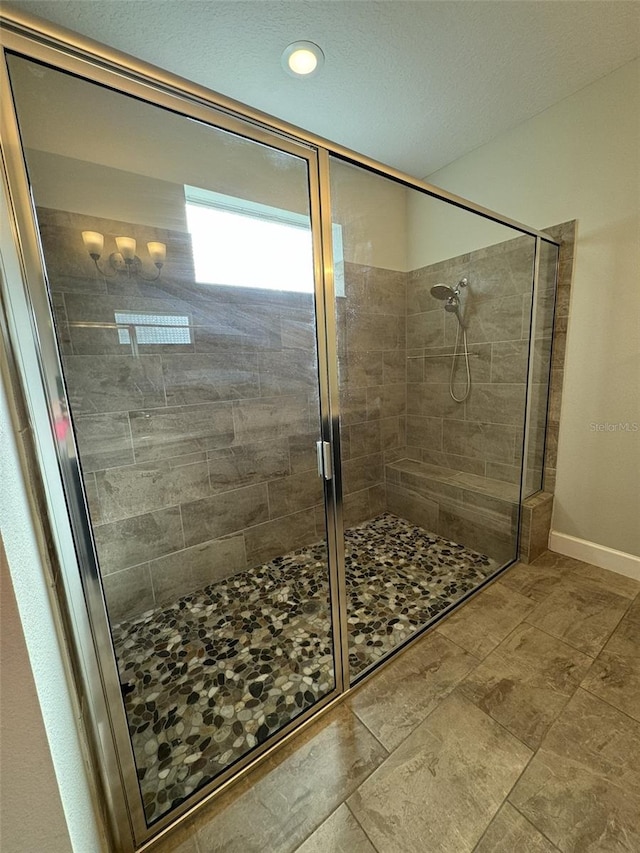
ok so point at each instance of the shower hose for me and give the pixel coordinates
(466, 363)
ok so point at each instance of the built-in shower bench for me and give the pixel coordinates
(475, 511)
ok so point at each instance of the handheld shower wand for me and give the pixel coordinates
(451, 297)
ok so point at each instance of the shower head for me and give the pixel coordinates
(443, 291)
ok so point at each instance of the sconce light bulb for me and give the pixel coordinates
(158, 253)
(127, 248)
(94, 243)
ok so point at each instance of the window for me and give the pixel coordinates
(154, 328)
(241, 243)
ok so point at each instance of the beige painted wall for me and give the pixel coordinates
(581, 159)
(438, 231)
(31, 816)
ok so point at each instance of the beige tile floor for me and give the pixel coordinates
(513, 727)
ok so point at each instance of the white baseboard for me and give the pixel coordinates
(598, 555)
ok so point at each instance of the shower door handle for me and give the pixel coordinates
(325, 468)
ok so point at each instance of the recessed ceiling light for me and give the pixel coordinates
(302, 59)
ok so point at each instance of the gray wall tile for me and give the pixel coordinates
(491, 442)
(509, 361)
(394, 366)
(135, 540)
(302, 451)
(293, 493)
(127, 491)
(434, 401)
(266, 541)
(270, 417)
(374, 331)
(287, 372)
(362, 368)
(162, 433)
(426, 329)
(128, 593)
(362, 439)
(393, 432)
(415, 508)
(425, 432)
(113, 383)
(298, 330)
(457, 461)
(497, 319)
(356, 508)
(362, 472)
(193, 568)
(380, 291)
(204, 378)
(498, 404)
(245, 464)
(104, 440)
(353, 404)
(385, 401)
(437, 363)
(219, 515)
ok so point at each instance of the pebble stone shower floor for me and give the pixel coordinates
(209, 677)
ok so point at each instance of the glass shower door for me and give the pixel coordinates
(433, 308)
(181, 264)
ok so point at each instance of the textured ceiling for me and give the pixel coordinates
(414, 84)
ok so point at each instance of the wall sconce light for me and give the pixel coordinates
(125, 259)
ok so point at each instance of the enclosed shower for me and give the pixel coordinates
(297, 401)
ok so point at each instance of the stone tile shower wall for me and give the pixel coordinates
(483, 435)
(198, 458)
(454, 468)
(463, 459)
(371, 329)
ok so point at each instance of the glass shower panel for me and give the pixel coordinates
(433, 332)
(181, 281)
(542, 318)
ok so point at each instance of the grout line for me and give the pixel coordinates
(366, 834)
(520, 775)
(462, 648)
(133, 447)
(487, 827)
(371, 732)
(184, 538)
(566, 641)
(501, 725)
(531, 823)
(608, 703)
(559, 639)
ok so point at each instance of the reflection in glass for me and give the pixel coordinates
(195, 410)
